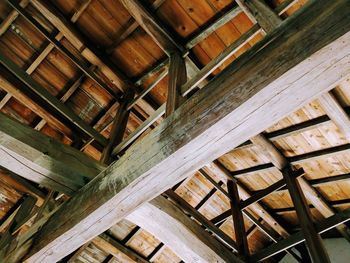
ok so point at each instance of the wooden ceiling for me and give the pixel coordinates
(87, 55)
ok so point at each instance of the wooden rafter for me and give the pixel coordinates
(312, 46)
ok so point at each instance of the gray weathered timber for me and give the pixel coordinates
(49, 162)
(43, 160)
(184, 241)
(312, 48)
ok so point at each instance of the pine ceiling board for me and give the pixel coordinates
(84, 107)
(194, 189)
(92, 152)
(242, 158)
(132, 57)
(309, 111)
(49, 131)
(18, 111)
(122, 229)
(278, 200)
(15, 49)
(96, 93)
(260, 180)
(172, 13)
(148, 44)
(335, 191)
(93, 254)
(143, 243)
(215, 205)
(167, 256)
(258, 241)
(117, 10)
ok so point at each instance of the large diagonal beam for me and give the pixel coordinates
(274, 78)
(62, 168)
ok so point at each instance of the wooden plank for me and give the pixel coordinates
(238, 221)
(335, 112)
(51, 100)
(235, 109)
(189, 240)
(321, 227)
(313, 239)
(78, 253)
(177, 77)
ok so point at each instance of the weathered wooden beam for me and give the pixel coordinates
(238, 221)
(113, 247)
(43, 160)
(336, 113)
(189, 239)
(177, 77)
(228, 118)
(201, 219)
(313, 239)
(56, 165)
(263, 14)
(78, 252)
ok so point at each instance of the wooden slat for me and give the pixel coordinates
(235, 109)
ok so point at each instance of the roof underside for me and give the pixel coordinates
(104, 24)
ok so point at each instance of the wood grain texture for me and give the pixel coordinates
(178, 231)
(234, 110)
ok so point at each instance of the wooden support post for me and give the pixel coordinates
(316, 248)
(118, 128)
(238, 221)
(177, 77)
